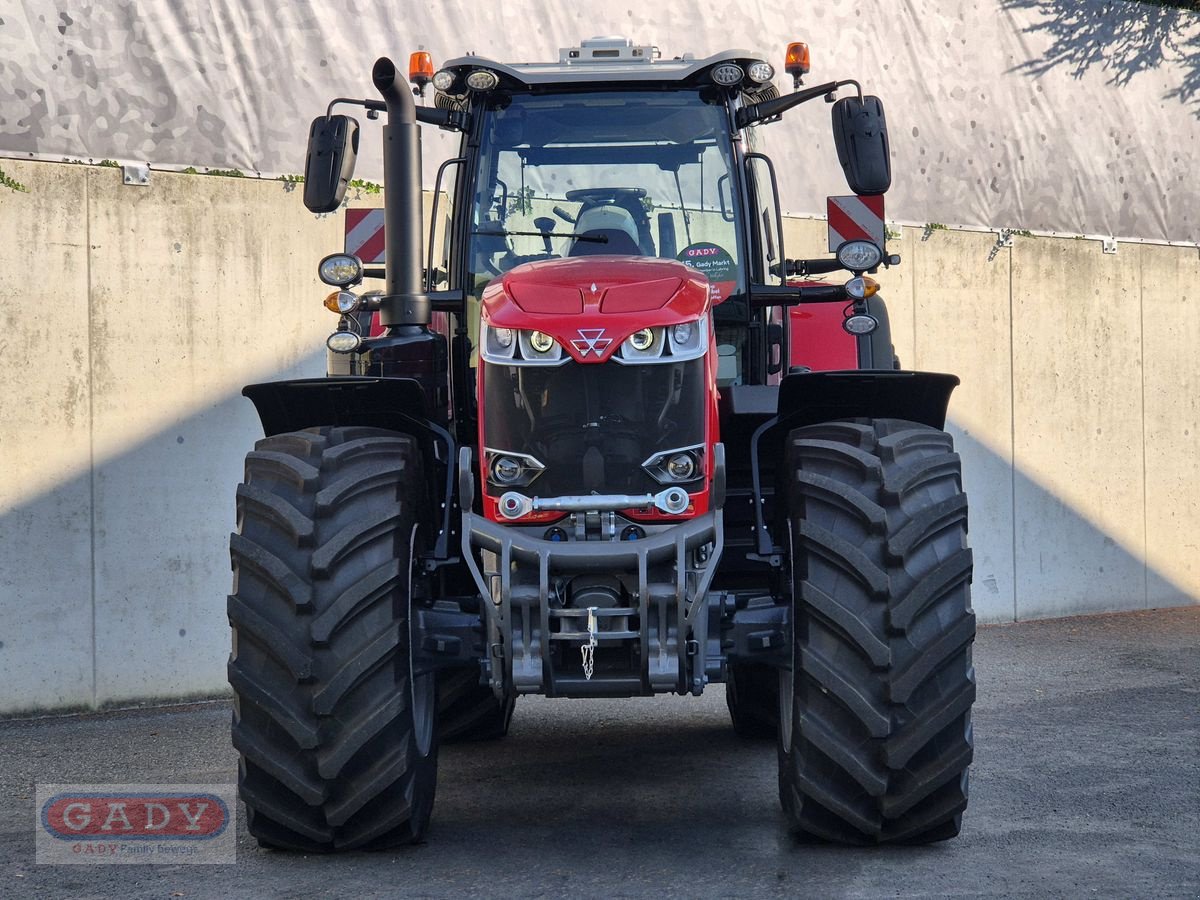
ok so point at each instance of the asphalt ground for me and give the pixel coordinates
(1086, 782)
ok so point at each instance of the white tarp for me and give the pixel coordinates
(1075, 116)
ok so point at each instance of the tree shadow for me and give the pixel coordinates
(1122, 38)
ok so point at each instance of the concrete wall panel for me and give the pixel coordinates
(1077, 405)
(960, 284)
(45, 417)
(1170, 327)
(200, 286)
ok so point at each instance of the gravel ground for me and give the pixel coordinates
(1086, 782)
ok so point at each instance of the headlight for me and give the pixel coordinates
(642, 340)
(727, 74)
(482, 80)
(443, 80)
(674, 343)
(762, 72)
(681, 466)
(511, 469)
(859, 256)
(538, 348)
(676, 466)
(643, 345)
(497, 345)
(343, 342)
(340, 270)
(514, 347)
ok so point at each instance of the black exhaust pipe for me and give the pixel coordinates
(405, 302)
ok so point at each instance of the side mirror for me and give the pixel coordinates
(332, 150)
(860, 134)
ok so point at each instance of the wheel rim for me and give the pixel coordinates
(421, 687)
(787, 677)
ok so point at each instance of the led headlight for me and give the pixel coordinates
(676, 466)
(503, 337)
(343, 342)
(482, 80)
(859, 256)
(727, 74)
(340, 270)
(508, 469)
(443, 80)
(860, 324)
(644, 345)
(538, 348)
(681, 334)
(762, 72)
(642, 340)
(681, 466)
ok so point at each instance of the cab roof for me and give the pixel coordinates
(603, 60)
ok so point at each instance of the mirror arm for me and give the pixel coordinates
(767, 295)
(756, 112)
(428, 115)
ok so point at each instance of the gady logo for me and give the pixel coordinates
(165, 816)
(135, 824)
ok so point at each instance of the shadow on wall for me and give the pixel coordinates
(120, 590)
(1121, 37)
(113, 583)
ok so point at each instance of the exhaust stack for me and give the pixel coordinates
(405, 302)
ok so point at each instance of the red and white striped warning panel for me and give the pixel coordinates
(855, 219)
(364, 234)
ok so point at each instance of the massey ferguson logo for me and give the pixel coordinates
(591, 340)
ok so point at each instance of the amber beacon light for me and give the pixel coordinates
(797, 63)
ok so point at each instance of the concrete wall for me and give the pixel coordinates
(135, 314)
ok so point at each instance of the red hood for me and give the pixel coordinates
(617, 295)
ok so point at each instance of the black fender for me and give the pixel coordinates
(397, 404)
(301, 403)
(811, 397)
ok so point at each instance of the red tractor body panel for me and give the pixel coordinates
(817, 339)
(590, 306)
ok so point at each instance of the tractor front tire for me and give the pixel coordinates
(875, 734)
(469, 711)
(335, 731)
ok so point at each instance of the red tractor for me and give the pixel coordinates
(613, 466)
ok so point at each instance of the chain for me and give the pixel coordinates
(588, 650)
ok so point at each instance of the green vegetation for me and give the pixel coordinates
(11, 183)
(228, 173)
(109, 164)
(368, 187)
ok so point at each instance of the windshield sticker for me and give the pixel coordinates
(713, 261)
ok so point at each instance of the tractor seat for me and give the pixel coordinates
(612, 223)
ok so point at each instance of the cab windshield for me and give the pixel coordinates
(630, 173)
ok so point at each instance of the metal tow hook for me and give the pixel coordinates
(589, 649)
